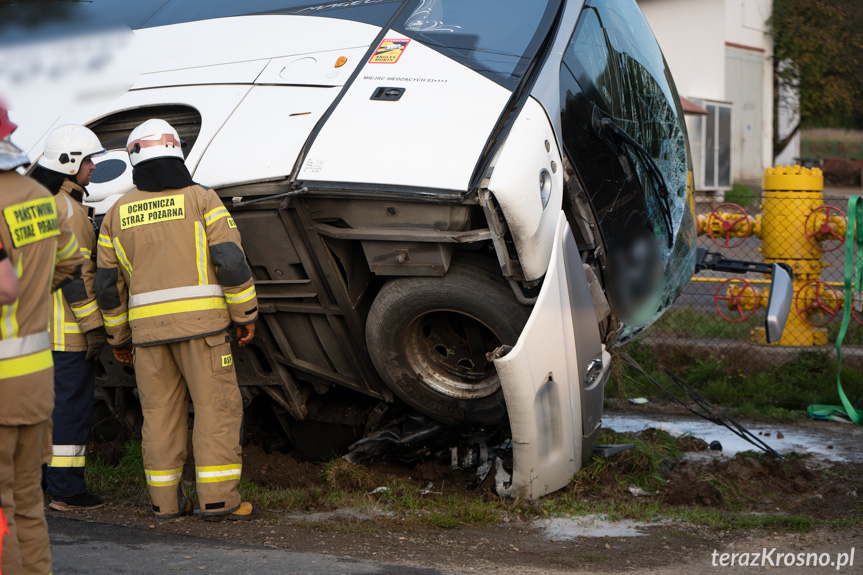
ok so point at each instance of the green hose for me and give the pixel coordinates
(853, 277)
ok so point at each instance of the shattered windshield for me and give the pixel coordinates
(614, 76)
(497, 38)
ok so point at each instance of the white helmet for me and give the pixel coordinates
(67, 147)
(153, 139)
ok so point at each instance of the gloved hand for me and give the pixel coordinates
(96, 339)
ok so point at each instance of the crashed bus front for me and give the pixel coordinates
(457, 206)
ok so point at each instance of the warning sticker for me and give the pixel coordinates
(32, 221)
(232, 223)
(227, 360)
(389, 51)
(152, 211)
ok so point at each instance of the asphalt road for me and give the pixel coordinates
(84, 547)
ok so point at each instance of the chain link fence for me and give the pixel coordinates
(723, 315)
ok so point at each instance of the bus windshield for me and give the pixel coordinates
(497, 38)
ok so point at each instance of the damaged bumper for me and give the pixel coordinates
(553, 379)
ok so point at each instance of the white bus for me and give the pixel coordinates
(451, 207)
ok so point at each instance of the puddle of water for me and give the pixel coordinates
(844, 438)
(569, 528)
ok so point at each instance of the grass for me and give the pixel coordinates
(598, 489)
(832, 143)
(781, 393)
(741, 195)
(686, 322)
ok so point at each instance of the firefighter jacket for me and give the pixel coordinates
(74, 310)
(45, 255)
(171, 267)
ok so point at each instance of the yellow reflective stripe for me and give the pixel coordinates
(241, 297)
(214, 215)
(121, 255)
(57, 328)
(163, 478)
(9, 313)
(85, 310)
(86, 253)
(201, 252)
(25, 365)
(58, 461)
(177, 307)
(105, 241)
(115, 320)
(216, 473)
(68, 251)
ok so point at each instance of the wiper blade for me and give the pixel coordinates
(605, 127)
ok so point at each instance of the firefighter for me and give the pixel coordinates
(77, 334)
(45, 255)
(172, 279)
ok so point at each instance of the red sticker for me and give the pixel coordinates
(389, 51)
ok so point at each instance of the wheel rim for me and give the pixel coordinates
(447, 350)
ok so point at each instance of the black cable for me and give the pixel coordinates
(711, 412)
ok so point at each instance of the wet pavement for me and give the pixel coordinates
(85, 547)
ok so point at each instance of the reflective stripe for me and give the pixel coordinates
(67, 461)
(241, 297)
(172, 294)
(164, 478)
(71, 328)
(28, 344)
(121, 255)
(115, 320)
(18, 366)
(177, 307)
(83, 311)
(68, 455)
(9, 313)
(68, 251)
(214, 215)
(57, 328)
(105, 241)
(218, 473)
(68, 450)
(201, 252)
(86, 253)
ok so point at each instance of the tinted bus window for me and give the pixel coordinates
(497, 38)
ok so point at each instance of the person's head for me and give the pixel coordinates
(11, 155)
(69, 150)
(152, 140)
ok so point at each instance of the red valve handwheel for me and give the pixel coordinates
(735, 300)
(728, 225)
(818, 304)
(825, 228)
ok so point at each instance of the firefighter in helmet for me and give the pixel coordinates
(75, 324)
(44, 253)
(173, 285)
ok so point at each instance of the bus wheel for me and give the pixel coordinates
(429, 339)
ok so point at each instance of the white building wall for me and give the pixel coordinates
(746, 27)
(692, 39)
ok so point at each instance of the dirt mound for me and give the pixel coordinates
(762, 483)
(279, 469)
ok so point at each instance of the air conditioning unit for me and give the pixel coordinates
(710, 142)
